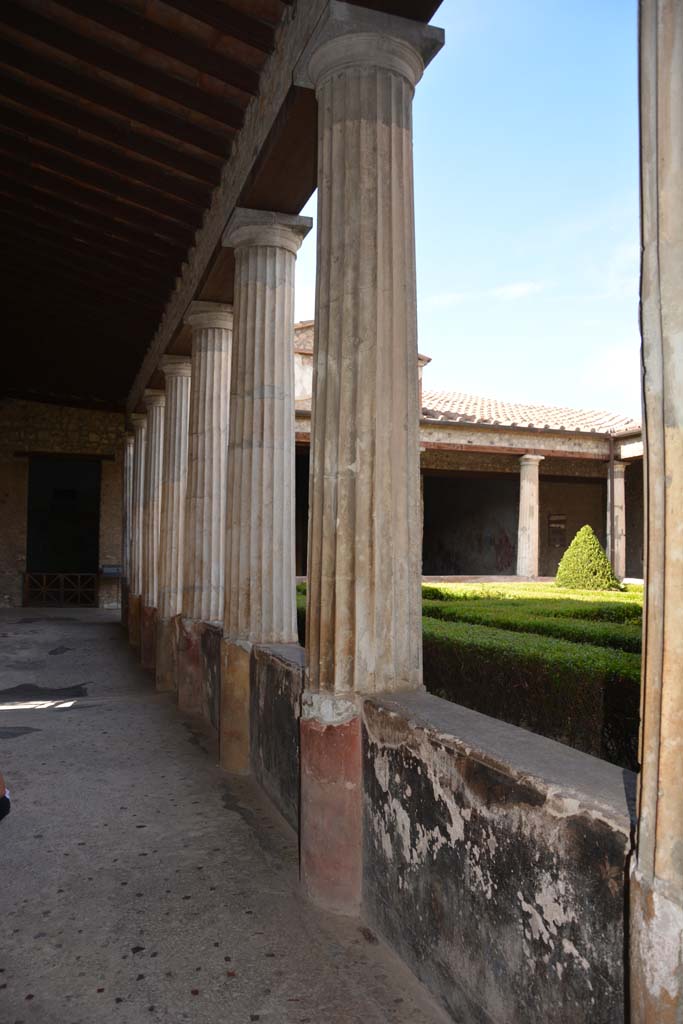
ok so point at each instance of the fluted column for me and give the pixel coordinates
(616, 500)
(260, 572)
(205, 503)
(126, 516)
(177, 372)
(139, 422)
(527, 529)
(155, 402)
(364, 615)
(657, 868)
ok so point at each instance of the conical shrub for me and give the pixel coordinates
(585, 566)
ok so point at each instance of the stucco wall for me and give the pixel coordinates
(36, 427)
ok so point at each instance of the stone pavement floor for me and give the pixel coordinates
(139, 882)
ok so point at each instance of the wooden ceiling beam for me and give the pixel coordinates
(32, 204)
(229, 22)
(71, 298)
(52, 184)
(117, 133)
(44, 133)
(119, 64)
(172, 44)
(34, 156)
(116, 100)
(34, 226)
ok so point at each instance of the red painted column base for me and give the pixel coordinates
(331, 834)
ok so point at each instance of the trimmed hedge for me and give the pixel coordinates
(585, 696)
(566, 608)
(625, 636)
(585, 564)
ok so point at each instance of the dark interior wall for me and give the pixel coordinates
(581, 502)
(470, 524)
(63, 515)
(301, 512)
(635, 522)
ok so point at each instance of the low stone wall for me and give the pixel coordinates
(276, 686)
(494, 860)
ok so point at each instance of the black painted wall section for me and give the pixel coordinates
(634, 519)
(583, 501)
(211, 672)
(470, 524)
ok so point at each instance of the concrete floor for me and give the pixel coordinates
(139, 882)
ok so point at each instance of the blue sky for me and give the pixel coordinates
(526, 204)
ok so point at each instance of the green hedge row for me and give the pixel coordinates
(595, 611)
(579, 694)
(625, 636)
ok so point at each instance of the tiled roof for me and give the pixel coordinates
(303, 336)
(459, 408)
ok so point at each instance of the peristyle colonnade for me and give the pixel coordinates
(209, 471)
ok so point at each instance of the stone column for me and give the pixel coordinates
(205, 503)
(364, 626)
(527, 529)
(126, 520)
(177, 371)
(656, 892)
(616, 545)
(260, 580)
(155, 402)
(139, 421)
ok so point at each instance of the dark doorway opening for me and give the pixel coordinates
(62, 545)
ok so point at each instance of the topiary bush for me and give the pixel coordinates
(585, 565)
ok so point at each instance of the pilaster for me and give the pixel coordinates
(616, 518)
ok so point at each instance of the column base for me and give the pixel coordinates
(166, 654)
(199, 669)
(235, 702)
(331, 832)
(148, 641)
(656, 941)
(134, 617)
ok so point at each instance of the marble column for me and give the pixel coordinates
(177, 372)
(260, 579)
(155, 402)
(616, 498)
(656, 889)
(205, 506)
(364, 625)
(139, 422)
(126, 521)
(527, 529)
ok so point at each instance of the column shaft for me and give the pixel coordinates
(126, 516)
(657, 869)
(139, 421)
(151, 517)
(527, 531)
(616, 500)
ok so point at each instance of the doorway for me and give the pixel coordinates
(62, 544)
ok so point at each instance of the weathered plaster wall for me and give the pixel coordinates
(276, 686)
(581, 501)
(634, 519)
(494, 863)
(470, 525)
(38, 427)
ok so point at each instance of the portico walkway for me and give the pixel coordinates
(139, 881)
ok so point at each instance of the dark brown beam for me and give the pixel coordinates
(120, 65)
(70, 299)
(115, 100)
(44, 133)
(34, 156)
(36, 227)
(118, 133)
(156, 37)
(83, 256)
(45, 181)
(229, 22)
(24, 198)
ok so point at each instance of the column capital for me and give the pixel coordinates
(619, 469)
(154, 398)
(349, 38)
(531, 460)
(175, 366)
(261, 227)
(209, 314)
(139, 420)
